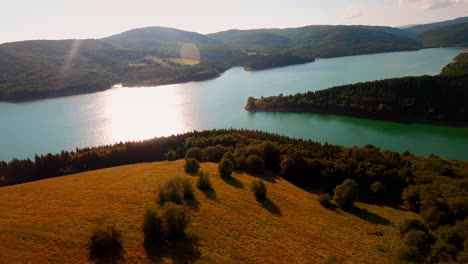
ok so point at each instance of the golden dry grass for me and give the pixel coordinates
(50, 221)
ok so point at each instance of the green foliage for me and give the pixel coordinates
(451, 35)
(410, 224)
(379, 192)
(151, 225)
(225, 167)
(204, 182)
(214, 153)
(174, 221)
(171, 155)
(416, 246)
(191, 166)
(194, 153)
(399, 99)
(346, 194)
(326, 200)
(317, 41)
(256, 164)
(259, 190)
(175, 191)
(262, 62)
(105, 241)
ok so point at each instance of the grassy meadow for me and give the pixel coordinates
(51, 221)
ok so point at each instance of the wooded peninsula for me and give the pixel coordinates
(437, 99)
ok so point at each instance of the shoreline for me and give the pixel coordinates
(357, 115)
(144, 84)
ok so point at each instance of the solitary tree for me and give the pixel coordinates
(346, 194)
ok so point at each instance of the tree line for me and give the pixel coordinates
(439, 98)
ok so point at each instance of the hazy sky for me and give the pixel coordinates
(59, 19)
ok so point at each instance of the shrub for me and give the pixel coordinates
(151, 225)
(259, 190)
(170, 155)
(175, 190)
(191, 166)
(411, 198)
(241, 163)
(230, 156)
(346, 194)
(417, 246)
(256, 164)
(214, 153)
(204, 182)
(410, 224)
(225, 167)
(194, 153)
(174, 221)
(378, 191)
(325, 200)
(105, 241)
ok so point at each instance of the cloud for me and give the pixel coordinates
(430, 4)
(353, 12)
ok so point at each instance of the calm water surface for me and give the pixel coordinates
(123, 114)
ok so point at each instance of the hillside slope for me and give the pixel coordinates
(418, 29)
(319, 41)
(53, 220)
(452, 35)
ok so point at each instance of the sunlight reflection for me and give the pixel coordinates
(142, 113)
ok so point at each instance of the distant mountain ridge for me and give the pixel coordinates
(419, 29)
(153, 56)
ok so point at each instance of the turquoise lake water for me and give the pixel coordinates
(123, 114)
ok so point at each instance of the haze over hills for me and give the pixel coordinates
(418, 29)
(153, 56)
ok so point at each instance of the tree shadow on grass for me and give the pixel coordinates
(179, 251)
(111, 255)
(210, 194)
(233, 182)
(192, 203)
(271, 206)
(267, 176)
(369, 216)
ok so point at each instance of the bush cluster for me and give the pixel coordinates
(225, 168)
(106, 240)
(191, 166)
(204, 182)
(170, 224)
(176, 190)
(346, 194)
(259, 190)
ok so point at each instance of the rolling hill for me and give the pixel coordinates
(157, 55)
(419, 29)
(53, 219)
(451, 35)
(319, 41)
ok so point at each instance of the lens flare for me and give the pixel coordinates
(190, 53)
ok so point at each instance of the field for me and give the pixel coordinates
(50, 221)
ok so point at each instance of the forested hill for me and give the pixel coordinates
(452, 35)
(431, 187)
(48, 68)
(156, 55)
(432, 99)
(419, 29)
(319, 41)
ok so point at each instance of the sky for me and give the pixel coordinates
(67, 19)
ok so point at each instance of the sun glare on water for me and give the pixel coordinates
(142, 113)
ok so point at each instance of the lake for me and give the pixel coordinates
(123, 114)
